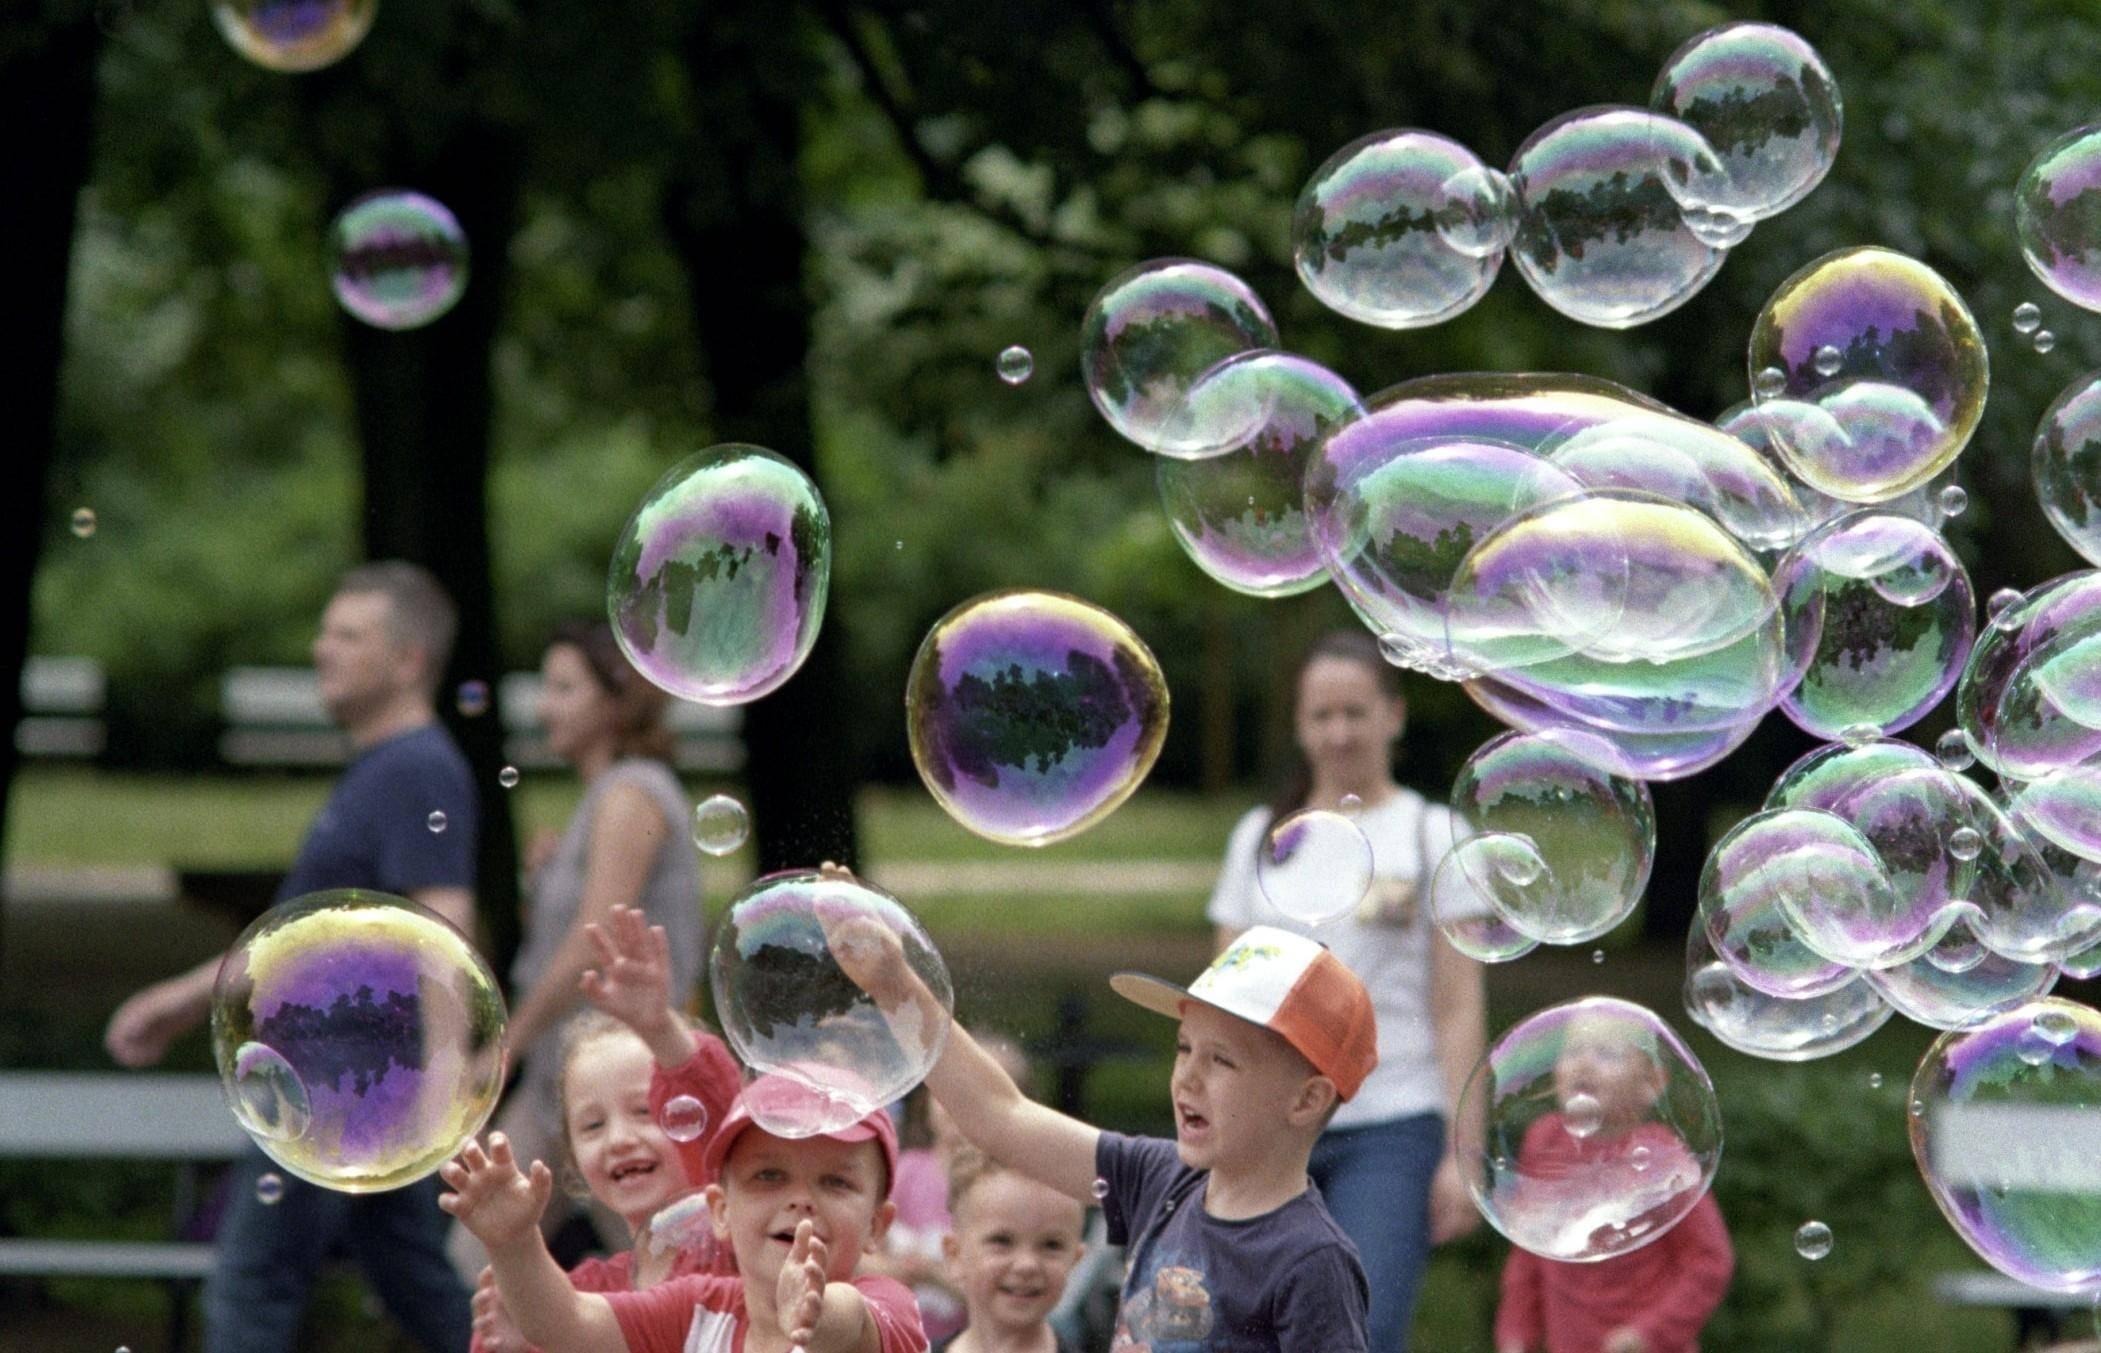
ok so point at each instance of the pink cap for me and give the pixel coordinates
(783, 1097)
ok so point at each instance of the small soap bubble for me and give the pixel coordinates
(473, 699)
(397, 259)
(685, 1118)
(2031, 1048)
(1582, 1115)
(2027, 317)
(83, 522)
(1101, 1189)
(1770, 382)
(2000, 600)
(1156, 328)
(1874, 1080)
(2044, 340)
(508, 777)
(1639, 1158)
(270, 1189)
(1016, 364)
(1597, 955)
(1965, 843)
(1812, 1240)
(1953, 499)
(2055, 1027)
(1350, 803)
(1520, 867)
(1952, 750)
(436, 821)
(1315, 866)
(720, 824)
(1828, 360)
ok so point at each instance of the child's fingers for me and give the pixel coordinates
(449, 1204)
(453, 1173)
(542, 1182)
(500, 1152)
(660, 947)
(603, 943)
(593, 986)
(471, 1156)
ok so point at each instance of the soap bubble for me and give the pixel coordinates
(1471, 916)
(718, 581)
(436, 822)
(1827, 776)
(720, 824)
(472, 699)
(685, 1118)
(1240, 515)
(1594, 833)
(1572, 1195)
(1952, 750)
(2027, 317)
(1778, 1028)
(83, 522)
(1601, 235)
(2053, 211)
(1401, 229)
(359, 1038)
(397, 259)
(1880, 618)
(1016, 364)
(1812, 1240)
(1959, 982)
(2030, 699)
(1153, 330)
(2005, 1143)
(1752, 875)
(1767, 104)
(2044, 341)
(2067, 465)
(1032, 715)
(2063, 808)
(1953, 501)
(788, 958)
(508, 777)
(1691, 463)
(1314, 866)
(1101, 1189)
(294, 35)
(1753, 424)
(269, 1188)
(1911, 382)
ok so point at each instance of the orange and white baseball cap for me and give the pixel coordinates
(1288, 984)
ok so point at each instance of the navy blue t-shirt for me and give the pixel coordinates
(1287, 1281)
(374, 831)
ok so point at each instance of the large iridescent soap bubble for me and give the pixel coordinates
(1314, 866)
(1752, 425)
(833, 987)
(2027, 702)
(1778, 1028)
(1745, 888)
(1032, 715)
(2055, 213)
(1241, 515)
(1763, 98)
(397, 259)
(1959, 982)
(1594, 832)
(2002, 1128)
(294, 35)
(1880, 618)
(1151, 332)
(1602, 1130)
(1693, 463)
(2066, 460)
(1889, 357)
(718, 582)
(1401, 229)
(1601, 234)
(359, 1038)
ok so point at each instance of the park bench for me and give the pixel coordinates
(2038, 1312)
(95, 1116)
(62, 700)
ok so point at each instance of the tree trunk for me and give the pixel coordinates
(736, 222)
(47, 98)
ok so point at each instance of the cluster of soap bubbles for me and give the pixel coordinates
(833, 988)
(1601, 1130)
(359, 1039)
(1615, 215)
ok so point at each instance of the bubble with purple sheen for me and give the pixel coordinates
(1601, 234)
(1825, 777)
(1152, 331)
(718, 581)
(1752, 424)
(397, 259)
(1373, 235)
(294, 35)
(1960, 981)
(1747, 877)
(1690, 462)
(2003, 1135)
(1475, 919)
(371, 1017)
(1880, 618)
(1911, 378)
(1032, 715)
(781, 974)
(1777, 1028)
(1565, 1193)
(2066, 462)
(1314, 866)
(2027, 700)
(2054, 214)
(1763, 98)
(1241, 515)
(1594, 832)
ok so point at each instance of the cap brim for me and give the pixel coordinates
(1159, 996)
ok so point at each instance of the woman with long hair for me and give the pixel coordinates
(1384, 1166)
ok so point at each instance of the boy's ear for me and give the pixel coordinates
(879, 1226)
(1316, 1095)
(718, 1210)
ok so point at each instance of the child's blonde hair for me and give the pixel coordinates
(578, 1033)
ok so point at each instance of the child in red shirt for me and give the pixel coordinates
(1653, 1299)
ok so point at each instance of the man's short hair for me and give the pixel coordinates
(419, 613)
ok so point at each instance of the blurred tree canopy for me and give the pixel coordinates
(821, 222)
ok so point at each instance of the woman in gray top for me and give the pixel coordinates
(626, 845)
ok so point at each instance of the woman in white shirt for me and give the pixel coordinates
(1384, 1166)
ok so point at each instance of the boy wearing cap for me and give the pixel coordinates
(798, 1214)
(1229, 1246)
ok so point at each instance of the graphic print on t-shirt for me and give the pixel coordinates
(1169, 1312)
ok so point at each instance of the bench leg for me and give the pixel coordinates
(180, 1294)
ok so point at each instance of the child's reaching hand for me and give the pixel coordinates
(799, 1297)
(871, 956)
(632, 983)
(490, 1197)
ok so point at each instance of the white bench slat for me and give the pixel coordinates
(105, 1259)
(1977, 1288)
(116, 1114)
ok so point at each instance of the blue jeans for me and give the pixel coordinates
(1375, 1180)
(269, 1256)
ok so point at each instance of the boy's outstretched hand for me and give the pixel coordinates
(490, 1197)
(799, 1297)
(632, 981)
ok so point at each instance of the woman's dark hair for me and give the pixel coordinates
(1349, 646)
(638, 706)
